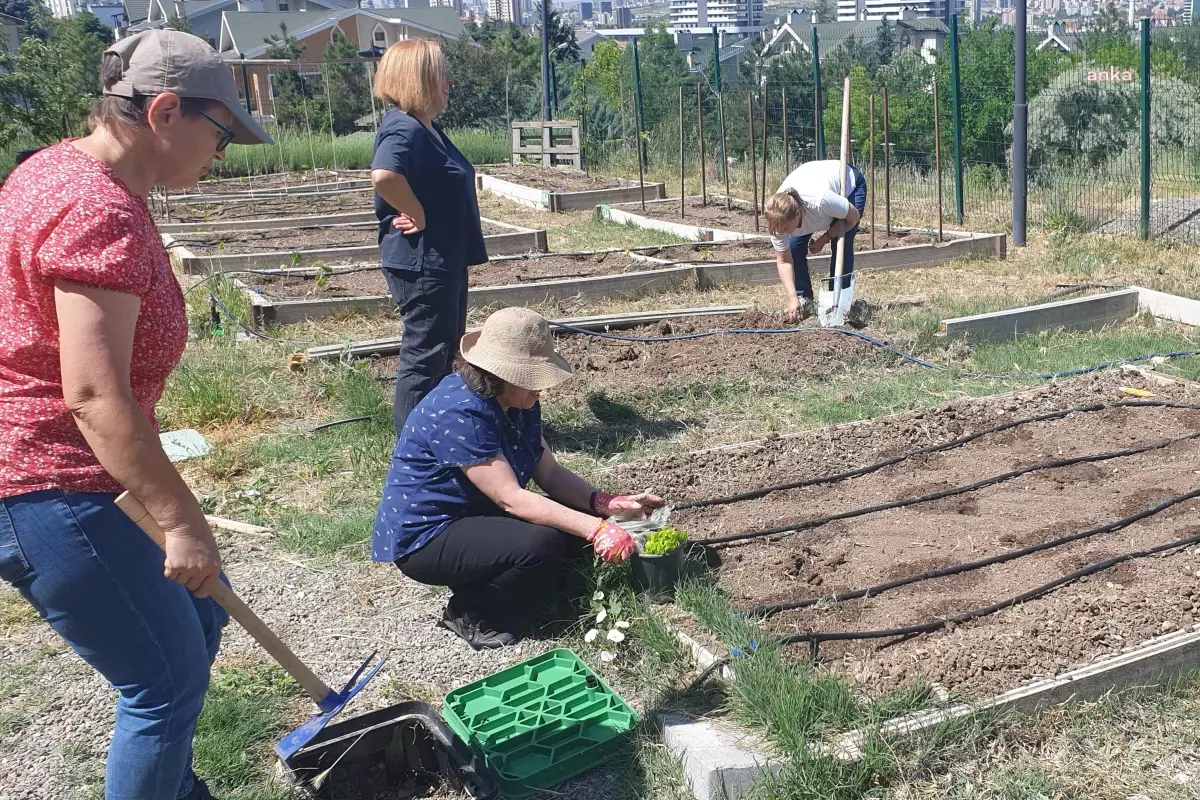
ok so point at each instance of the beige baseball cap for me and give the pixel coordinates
(166, 60)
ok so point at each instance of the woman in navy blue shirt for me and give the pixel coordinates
(455, 511)
(429, 231)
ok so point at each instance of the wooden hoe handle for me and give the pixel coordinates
(236, 608)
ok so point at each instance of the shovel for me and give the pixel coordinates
(833, 301)
(327, 700)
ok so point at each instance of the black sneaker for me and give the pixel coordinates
(473, 630)
(808, 308)
(859, 313)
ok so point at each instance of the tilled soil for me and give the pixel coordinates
(552, 179)
(741, 220)
(1115, 609)
(290, 240)
(276, 180)
(606, 365)
(349, 202)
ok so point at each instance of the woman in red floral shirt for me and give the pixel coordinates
(92, 322)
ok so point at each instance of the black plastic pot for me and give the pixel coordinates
(656, 576)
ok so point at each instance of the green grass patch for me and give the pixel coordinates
(220, 384)
(207, 318)
(15, 610)
(592, 233)
(244, 715)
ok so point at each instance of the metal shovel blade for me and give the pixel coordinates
(330, 706)
(831, 310)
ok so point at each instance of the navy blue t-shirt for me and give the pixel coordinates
(444, 181)
(426, 488)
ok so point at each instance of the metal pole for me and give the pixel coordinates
(553, 92)
(871, 157)
(787, 156)
(724, 158)
(637, 130)
(764, 145)
(638, 121)
(1144, 219)
(546, 60)
(818, 123)
(753, 172)
(937, 153)
(887, 169)
(329, 103)
(1020, 185)
(956, 110)
(682, 162)
(700, 129)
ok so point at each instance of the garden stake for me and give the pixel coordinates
(871, 149)
(764, 142)
(937, 154)
(753, 171)
(682, 161)
(887, 169)
(327, 700)
(724, 151)
(700, 130)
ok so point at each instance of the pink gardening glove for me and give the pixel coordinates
(611, 542)
(625, 506)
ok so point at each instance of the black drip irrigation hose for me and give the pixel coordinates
(969, 566)
(755, 494)
(815, 639)
(808, 524)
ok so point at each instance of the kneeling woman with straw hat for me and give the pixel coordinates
(455, 511)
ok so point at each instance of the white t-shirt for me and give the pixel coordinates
(819, 187)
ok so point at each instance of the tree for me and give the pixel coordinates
(478, 95)
(562, 35)
(885, 42)
(290, 92)
(750, 70)
(35, 17)
(827, 11)
(347, 91)
(179, 23)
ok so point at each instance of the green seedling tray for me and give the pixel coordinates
(540, 722)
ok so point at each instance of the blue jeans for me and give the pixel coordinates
(799, 244)
(98, 580)
(433, 305)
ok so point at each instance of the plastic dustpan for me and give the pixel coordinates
(540, 722)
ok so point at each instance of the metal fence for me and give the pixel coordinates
(1112, 148)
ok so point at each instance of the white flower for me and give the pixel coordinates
(615, 636)
(606, 656)
(591, 635)
(598, 596)
(603, 615)
(622, 624)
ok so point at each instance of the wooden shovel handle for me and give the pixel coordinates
(235, 607)
(845, 161)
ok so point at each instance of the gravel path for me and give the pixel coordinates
(1177, 217)
(332, 615)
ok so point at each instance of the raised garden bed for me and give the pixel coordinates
(626, 367)
(740, 252)
(554, 189)
(1074, 625)
(205, 252)
(267, 212)
(287, 296)
(278, 183)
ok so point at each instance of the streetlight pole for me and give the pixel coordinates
(545, 60)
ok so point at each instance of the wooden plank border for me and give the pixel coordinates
(329, 187)
(1076, 314)
(273, 223)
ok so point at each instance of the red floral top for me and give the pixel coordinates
(65, 215)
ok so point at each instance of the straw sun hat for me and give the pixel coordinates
(515, 345)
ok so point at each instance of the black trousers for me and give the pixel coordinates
(497, 567)
(433, 305)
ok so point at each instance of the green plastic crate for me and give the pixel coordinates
(540, 722)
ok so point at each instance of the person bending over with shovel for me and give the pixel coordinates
(455, 511)
(810, 200)
(92, 321)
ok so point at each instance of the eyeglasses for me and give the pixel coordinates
(226, 134)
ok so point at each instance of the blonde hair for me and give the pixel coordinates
(784, 213)
(410, 76)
